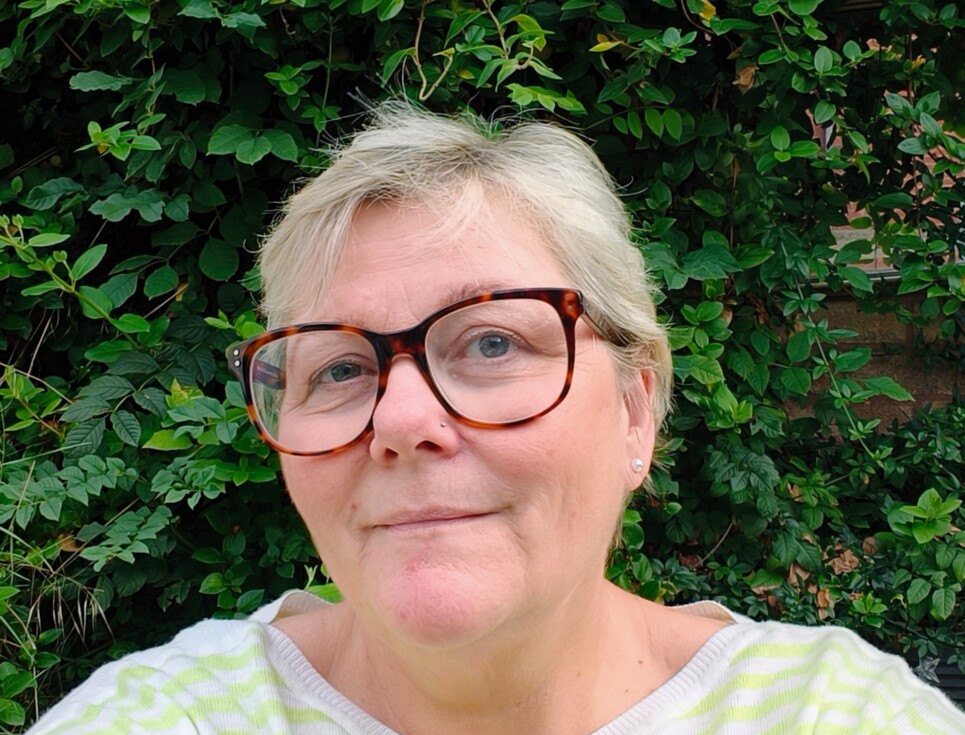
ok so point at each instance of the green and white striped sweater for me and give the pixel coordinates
(245, 677)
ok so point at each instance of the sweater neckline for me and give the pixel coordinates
(641, 718)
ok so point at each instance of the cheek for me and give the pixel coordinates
(320, 490)
(564, 473)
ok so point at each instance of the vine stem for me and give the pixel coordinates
(424, 93)
(730, 527)
(852, 421)
(499, 27)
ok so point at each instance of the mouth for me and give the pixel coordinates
(428, 520)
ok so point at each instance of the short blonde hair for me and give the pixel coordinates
(408, 155)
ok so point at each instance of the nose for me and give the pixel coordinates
(409, 423)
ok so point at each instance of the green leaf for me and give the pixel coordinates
(134, 363)
(958, 566)
(709, 262)
(208, 555)
(132, 324)
(219, 260)
(712, 202)
(780, 138)
(824, 111)
(803, 149)
(213, 584)
(161, 281)
(94, 303)
(772, 56)
(84, 409)
(925, 531)
(88, 261)
(107, 352)
(115, 208)
(886, 386)
(47, 195)
(11, 713)
(799, 346)
(108, 387)
(823, 60)
(852, 360)
(851, 50)
(761, 343)
(165, 441)
(913, 146)
(40, 288)
(392, 61)
(796, 380)
(896, 200)
(388, 9)
(83, 439)
(89, 81)
(942, 603)
(673, 123)
(706, 370)
(127, 427)
(46, 239)
(243, 21)
(226, 139)
(611, 13)
(654, 120)
(282, 144)
(185, 84)
(856, 278)
(918, 590)
(139, 14)
(931, 125)
(151, 399)
(803, 7)
(120, 288)
(252, 150)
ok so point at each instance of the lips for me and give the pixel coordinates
(425, 518)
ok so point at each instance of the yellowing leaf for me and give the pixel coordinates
(605, 46)
(707, 11)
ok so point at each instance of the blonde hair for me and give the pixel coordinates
(408, 155)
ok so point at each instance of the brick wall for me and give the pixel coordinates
(894, 353)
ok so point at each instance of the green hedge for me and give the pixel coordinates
(144, 146)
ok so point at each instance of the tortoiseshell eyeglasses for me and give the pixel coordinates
(497, 359)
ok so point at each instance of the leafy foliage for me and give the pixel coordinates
(145, 145)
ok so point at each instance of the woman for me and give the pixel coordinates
(473, 390)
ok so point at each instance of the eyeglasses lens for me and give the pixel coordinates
(494, 362)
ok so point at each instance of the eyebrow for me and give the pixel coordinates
(451, 295)
(471, 290)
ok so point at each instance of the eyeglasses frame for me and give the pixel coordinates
(569, 305)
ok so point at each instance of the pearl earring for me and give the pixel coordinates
(443, 424)
(637, 464)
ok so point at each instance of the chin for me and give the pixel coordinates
(440, 608)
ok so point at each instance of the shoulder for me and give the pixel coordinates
(190, 685)
(157, 687)
(819, 679)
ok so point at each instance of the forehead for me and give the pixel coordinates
(401, 262)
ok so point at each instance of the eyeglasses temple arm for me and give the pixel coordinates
(602, 326)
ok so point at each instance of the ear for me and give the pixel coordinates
(641, 427)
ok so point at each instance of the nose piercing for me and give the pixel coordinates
(443, 424)
(637, 464)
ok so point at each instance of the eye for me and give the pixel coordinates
(491, 346)
(338, 372)
(342, 371)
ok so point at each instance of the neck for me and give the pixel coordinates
(566, 672)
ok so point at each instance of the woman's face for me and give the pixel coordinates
(438, 533)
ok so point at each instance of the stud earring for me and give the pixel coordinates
(443, 424)
(637, 464)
